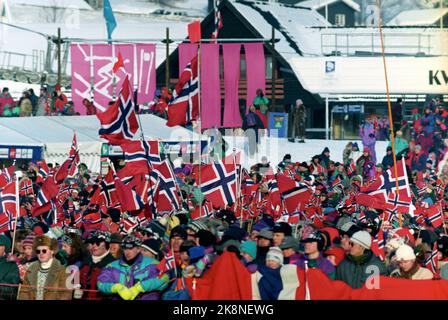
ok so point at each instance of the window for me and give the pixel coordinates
(339, 20)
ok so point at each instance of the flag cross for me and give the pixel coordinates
(222, 181)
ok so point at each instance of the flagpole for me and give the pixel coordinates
(17, 214)
(392, 138)
(200, 127)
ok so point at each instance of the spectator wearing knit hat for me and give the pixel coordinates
(93, 266)
(408, 266)
(274, 258)
(9, 273)
(28, 256)
(357, 266)
(290, 248)
(280, 231)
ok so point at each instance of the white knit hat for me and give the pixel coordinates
(276, 254)
(405, 252)
(362, 238)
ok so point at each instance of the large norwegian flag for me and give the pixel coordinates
(294, 194)
(42, 171)
(8, 198)
(140, 156)
(119, 122)
(6, 176)
(384, 187)
(184, 105)
(166, 196)
(218, 183)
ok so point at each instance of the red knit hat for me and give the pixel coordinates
(28, 241)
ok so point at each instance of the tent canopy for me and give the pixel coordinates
(55, 135)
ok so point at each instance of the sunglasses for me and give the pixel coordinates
(44, 251)
(98, 243)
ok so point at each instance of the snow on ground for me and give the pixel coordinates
(275, 148)
(79, 4)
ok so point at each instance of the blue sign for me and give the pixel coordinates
(279, 121)
(21, 153)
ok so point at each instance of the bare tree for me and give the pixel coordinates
(53, 13)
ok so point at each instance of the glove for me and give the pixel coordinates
(136, 290)
(122, 291)
(189, 272)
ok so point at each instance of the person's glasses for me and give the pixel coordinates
(98, 243)
(44, 251)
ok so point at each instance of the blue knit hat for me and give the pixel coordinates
(249, 247)
(196, 253)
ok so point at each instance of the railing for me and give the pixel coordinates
(242, 89)
(346, 43)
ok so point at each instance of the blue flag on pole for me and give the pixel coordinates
(111, 23)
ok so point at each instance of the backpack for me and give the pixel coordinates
(251, 121)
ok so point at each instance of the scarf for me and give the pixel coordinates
(96, 259)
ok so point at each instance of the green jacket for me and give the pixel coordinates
(400, 145)
(9, 273)
(354, 272)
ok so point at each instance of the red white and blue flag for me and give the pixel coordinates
(434, 215)
(166, 196)
(219, 183)
(184, 105)
(119, 122)
(217, 25)
(432, 260)
(6, 176)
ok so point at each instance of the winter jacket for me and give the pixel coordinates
(143, 270)
(353, 271)
(428, 123)
(324, 160)
(60, 102)
(321, 263)
(418, 162)
(6, 102)
(9, 274)
(388, 161)
(421, 274)
(26, 108)
(57, 278)
(252, 120)
(89, 274)
(34, 100)
(400, 145)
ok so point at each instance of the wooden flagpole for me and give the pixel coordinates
(392, 138)
(17, 214)
(200, 128)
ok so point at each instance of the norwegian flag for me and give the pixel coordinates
(74, 155)
(119, 122)
(351, 168)
(7, 221)
(440, 188)
(6, 176)
(42, 171)
(337, 182)
(434, 216)
(219, 183)
(400, 204)
(8, 200)
(432, 260)
(388, 215)
(421, 188)
(184, 104)
(128, 197)
(166, 195)
(207, 211)
(218, 20)
(167, 263)
(129, 223)
(293, 193)
(378, 245)
(108, 191)
(141, 155)
(26, 188)
(92, 220)
(386, 184)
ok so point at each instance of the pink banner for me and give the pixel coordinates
(231, 57)
(186, 52)
(127, 52)
(146, 72)
(102, 75)
(210, 86)
(81, 76)
(255, 70)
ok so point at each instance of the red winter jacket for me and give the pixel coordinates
(89, 274)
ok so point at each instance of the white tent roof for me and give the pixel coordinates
(422, 17)
(55, 135)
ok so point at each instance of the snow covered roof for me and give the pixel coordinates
(290, 22)
(317, 4)
(71, 4)
(423, 17)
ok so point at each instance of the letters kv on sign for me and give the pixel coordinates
(438, 77)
